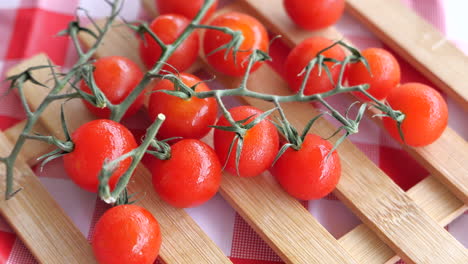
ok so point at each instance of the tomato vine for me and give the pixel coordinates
(83, 70)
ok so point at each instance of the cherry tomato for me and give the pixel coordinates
(95, 142)
(116, 77)
(301, 55)
(306, 173)
(259, 148)
(316, 14)
(190, 177)
(126, 234)
(168, 28)
(385, 73)
(426, 114)
(189, 118)
(188, 9)
(255, 37)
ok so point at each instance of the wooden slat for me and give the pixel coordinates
(452, 169)
(288, 228)
(423, 46)
(176, 224)
(150, 7)
(431, 196)
(27, 212)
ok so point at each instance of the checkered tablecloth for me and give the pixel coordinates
(28, 27)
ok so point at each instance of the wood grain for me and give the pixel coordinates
(288, 228)
(176, 224)
(28, 213)
(452, 169)
(366, 247)
(423, 46)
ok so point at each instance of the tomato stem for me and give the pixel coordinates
(167, 51)
(83, 70)
(56, 91)
(136, 155)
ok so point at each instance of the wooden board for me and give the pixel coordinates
(422, 197)
(366, 247)
(446, 159)
(423, 46)
(177, 224)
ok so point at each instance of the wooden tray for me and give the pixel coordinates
(408, 224)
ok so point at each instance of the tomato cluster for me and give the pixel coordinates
(192, 173)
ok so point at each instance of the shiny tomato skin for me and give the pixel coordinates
(126, 234)
(260, 144)
(95, 142)
(316, 14)
(186, 118)
(426, 114)
(385, 71)
(116, 76)
(190, 177)
(306, 174)
(188, 9)
(255, 37)
(168, 28)
(300, 56)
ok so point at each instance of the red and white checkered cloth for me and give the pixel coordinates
(28, 27)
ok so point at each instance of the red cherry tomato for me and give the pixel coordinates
(301, 55)
(316, 14)
(255, 37)
(426, 114)
(190, 177)
(185, 118)
(260, 144)
(306, 173)
(385, 73)
(126, 234)
(188, 9)
(168, 28)
(95, 142)
(116, 77)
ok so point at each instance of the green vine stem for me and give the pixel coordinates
(167, 51)
(350, 126)
(136, 155)
(59, 84)
(83, 70)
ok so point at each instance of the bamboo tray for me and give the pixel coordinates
(407, 224)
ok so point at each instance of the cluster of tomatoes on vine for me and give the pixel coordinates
(192, 175)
